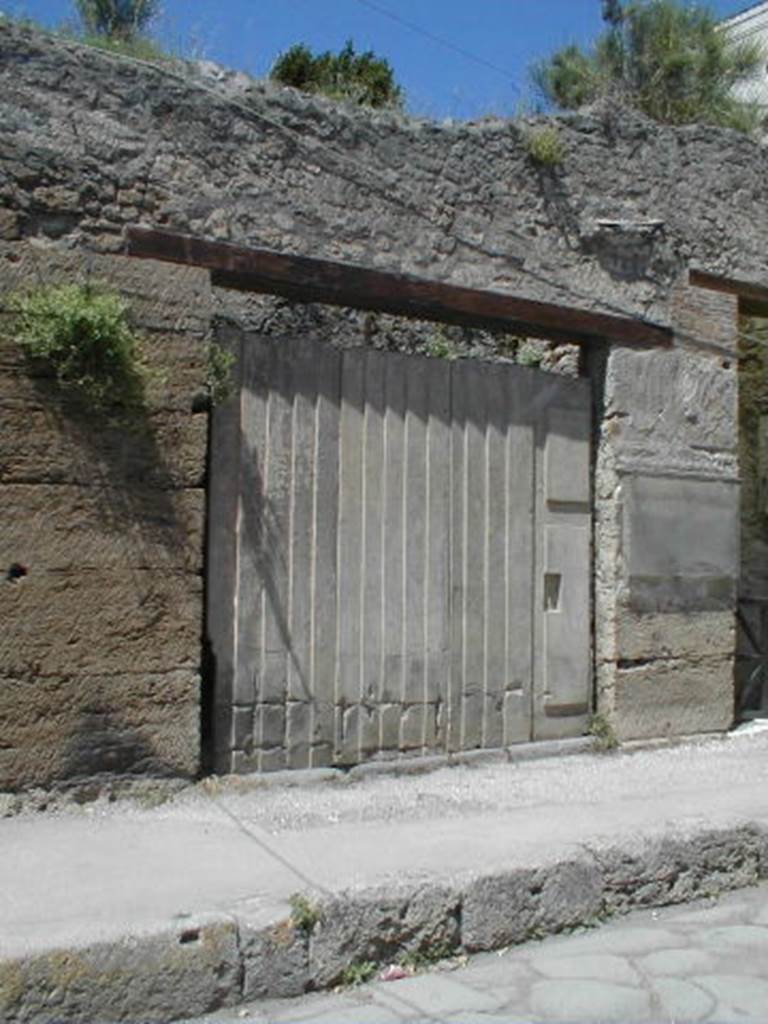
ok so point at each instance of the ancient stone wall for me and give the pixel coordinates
(667, 527)
(92, 142)
(100, 646)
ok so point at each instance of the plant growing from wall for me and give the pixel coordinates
(531, 352)
(218, 373)
(442, 346)
(545, 146)
(81, 334)
(363, 78)
(120, 26)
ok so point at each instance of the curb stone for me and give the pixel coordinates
(208, 962)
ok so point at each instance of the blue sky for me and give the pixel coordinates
(439, 82)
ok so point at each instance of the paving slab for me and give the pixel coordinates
(561, 839)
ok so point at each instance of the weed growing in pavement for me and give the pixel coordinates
(305, 913)
(604, 738)
(419, 960)
(358, 974)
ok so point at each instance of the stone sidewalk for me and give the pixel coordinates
(244, 889)
(703, 962)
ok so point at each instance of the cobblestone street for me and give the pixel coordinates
(701, 962)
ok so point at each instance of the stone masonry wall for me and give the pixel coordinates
(667, 527)
(100, 643)
(92, 142)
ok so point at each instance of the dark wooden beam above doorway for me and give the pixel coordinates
(307, 279)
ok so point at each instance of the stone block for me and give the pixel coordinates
(691, 634)
(275, 960)
(679, 870)
(40, 446)
(176, 366)
(188, 971)
(160, 296)
(671, 401)
(762, 844)
(499, 910)
(673, 698)
(100, 621)
(681, 543)
(9, 225)
(60, 726)
(381, 925)
(706, 315)
(77, 528)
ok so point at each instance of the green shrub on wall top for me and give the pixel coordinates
(82, 333)
(361, 78)
(669, 59)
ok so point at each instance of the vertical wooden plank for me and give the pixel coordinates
(474, 559)
(350, 552)
(494, 683)
(392, 549)
(258, 369)
(438, 517)
(306, 355)
(275, 559)
(373, 516)
(519, 561)
(223, 553)
(458, 399)
(414, 504)
(323, 581)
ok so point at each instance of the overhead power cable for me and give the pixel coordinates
(440, 40)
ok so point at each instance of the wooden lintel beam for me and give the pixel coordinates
(753, 298)
(306, 279)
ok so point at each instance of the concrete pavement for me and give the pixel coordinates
(240, 889)
(706, 961)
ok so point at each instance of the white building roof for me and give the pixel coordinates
(751, 26)
(749, 21)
